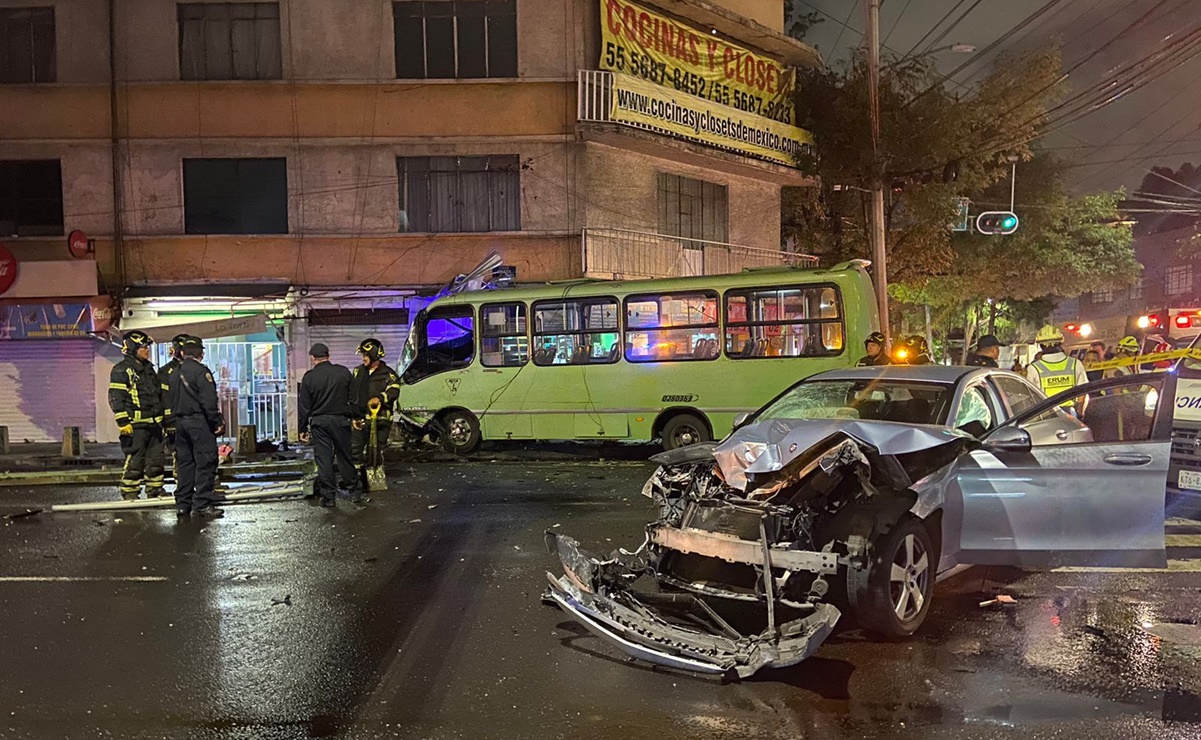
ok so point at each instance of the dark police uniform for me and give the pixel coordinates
(193, 401)
(975, 360)
(135, 397)
(382, 383)
(325, 412)
(869, 361)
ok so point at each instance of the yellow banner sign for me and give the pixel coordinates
(646, 105)
(642, 43)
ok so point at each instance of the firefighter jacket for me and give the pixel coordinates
(164, 381)
(134, 393)
(382, 383)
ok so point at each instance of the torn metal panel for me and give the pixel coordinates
(734, 550)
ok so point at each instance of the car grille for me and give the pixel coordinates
(1186, 453)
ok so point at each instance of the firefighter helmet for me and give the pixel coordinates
(373, 348)
(1049, 336)
(914, 351)
(1129, 344)
(135, 340)
(877, 337)
(177, 342)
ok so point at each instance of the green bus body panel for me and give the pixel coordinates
(624, 400)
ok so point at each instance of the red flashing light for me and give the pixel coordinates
(1154, 318)
(1183, 321)
(1070, 327)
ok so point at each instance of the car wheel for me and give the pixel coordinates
(682, 430)
(460, 432)
(892, 595)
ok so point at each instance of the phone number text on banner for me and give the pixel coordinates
(639, 42)
(643, 104)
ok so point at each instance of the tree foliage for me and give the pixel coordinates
(797, 23)
(1064, 246)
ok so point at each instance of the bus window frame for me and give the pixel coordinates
(529, 353)
(468, 311)
(535, 333)
(658, 298)
(726, 324)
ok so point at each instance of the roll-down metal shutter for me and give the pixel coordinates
(46, 385)
(344, 340)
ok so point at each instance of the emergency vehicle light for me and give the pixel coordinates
(1183, 321)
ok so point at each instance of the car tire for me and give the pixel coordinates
(682, 430)
(459, 432)
(892, 595)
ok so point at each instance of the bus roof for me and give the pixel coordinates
(585, 287)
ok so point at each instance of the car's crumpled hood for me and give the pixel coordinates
(768, 446)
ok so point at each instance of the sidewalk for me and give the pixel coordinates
(48, 456)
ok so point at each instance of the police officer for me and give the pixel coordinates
(988, 351)
(164, 380)
(373, 386)
(135, 397)
(1055, 371)
(325, 414)
(874, 346)
(198, 421)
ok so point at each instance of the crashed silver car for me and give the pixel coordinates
(827, 503)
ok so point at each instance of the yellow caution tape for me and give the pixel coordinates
(1175, 354)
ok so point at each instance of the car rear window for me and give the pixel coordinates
(870, 399)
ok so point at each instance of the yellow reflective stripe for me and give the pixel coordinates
(117, 387)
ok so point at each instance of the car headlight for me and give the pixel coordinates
(752, 451)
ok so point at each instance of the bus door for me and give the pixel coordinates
(506, 379)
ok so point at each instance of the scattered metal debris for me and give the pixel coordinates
(285, 601)
(999, 599)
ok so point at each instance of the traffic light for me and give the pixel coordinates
(997, 222)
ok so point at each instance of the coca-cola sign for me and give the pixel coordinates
(8, 269)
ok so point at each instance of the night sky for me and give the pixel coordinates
(1157, 124)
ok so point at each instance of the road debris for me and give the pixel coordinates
(999, 599)
(23, 514)
(286, 601)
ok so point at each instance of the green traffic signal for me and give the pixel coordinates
(997, 222)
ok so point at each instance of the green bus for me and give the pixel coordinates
(675, 359)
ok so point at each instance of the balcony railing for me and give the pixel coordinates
(622, 253)
(595, 96)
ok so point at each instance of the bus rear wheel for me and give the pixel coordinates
(682, 430)
(460, 432)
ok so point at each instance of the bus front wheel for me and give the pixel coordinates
(682, 430)
(460, 432)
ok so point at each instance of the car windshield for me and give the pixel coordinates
(872, 399)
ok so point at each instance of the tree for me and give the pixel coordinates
(1166, 189)
(1064, 246)
(798, 23)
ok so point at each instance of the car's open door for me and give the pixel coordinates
(1090, 495)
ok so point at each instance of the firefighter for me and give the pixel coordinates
(374, 387)
(1128, 346)
(198, 421)
(135, 397)
(164, 381)
(1054, 370)
(874, 346)
(914, 351)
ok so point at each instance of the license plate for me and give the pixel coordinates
(1190, 480)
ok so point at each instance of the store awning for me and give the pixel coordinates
(209, 329)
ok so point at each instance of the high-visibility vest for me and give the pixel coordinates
(1056, 377)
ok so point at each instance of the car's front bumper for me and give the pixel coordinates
(621, 618)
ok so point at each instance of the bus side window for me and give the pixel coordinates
(579, 331)
(802, 321)
(671, 327)
(503, 338)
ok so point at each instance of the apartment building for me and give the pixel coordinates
(268, 174)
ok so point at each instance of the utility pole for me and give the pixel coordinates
(876, 219)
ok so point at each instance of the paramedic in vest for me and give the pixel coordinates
(1055, 371)
(164, 380)
(198, 421)
(372, 383)
(135, 397)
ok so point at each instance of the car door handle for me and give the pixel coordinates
(1062, 435)
(1128, 459)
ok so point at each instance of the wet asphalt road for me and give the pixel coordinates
(419, 617)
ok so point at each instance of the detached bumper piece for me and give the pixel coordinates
(676, 630)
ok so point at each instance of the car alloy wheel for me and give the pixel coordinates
(909, 577)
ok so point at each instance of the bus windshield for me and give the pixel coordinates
(916, 403)
(441, 339)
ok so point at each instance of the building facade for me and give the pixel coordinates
(308, 169)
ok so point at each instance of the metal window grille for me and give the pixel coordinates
(455, 40)
(693, 209)
(229, 41)
(27, 45)
(1178, 279)
(613, 254)
(460, 194)
(1102, 296)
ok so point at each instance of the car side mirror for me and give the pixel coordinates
(741, 419)
(1009, 439)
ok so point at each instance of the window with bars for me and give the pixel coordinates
(27, 45)
(31, 197)
(229, 41)
(460, 194)
(693, 209)
(453, 39)
(235, 196)
(1135, 291)
(1178, 280)
(1101, 296)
